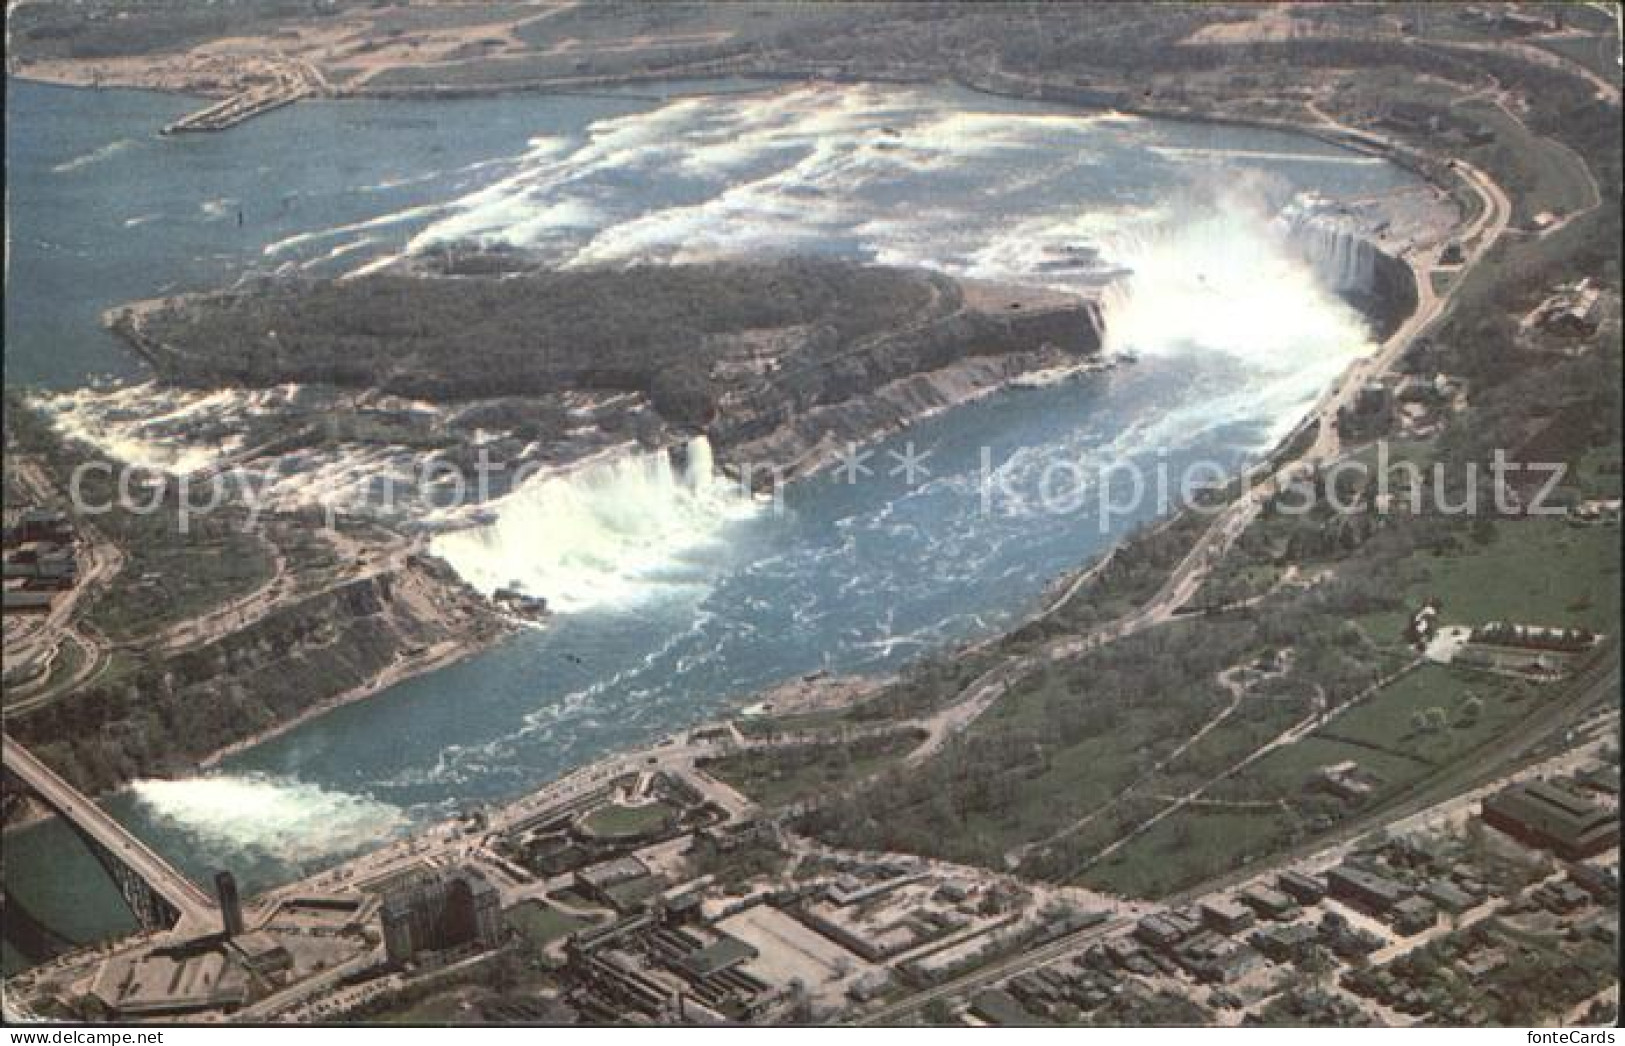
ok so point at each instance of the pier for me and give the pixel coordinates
(290, 82)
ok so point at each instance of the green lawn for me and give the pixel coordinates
(451, 1006)
(1534, 571)
(1191, 845)
(1288, 771)
(802, 722)
(541, 924)
(1072, 781)
(1385, 720)
(1254, 724)
(189, 579)
(1201, 841)
(1598, 53)
(1597, 473)
(1540, 174)
(613, 820)
(777, 777)
(1236, 584)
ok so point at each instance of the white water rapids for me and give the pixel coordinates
(610, 534)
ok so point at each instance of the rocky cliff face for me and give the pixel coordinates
(1381, 287)
(789, 420)
(170, 713)
(770, 359)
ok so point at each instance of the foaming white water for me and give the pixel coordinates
(290, 820)
(106, 152)
(1325, 236)
(1270, 155)
(607, 535)
(166, 430)
(1227, 279)
(383, 221)
(773, 171)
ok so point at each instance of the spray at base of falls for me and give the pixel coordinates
(607, 535)
(229, 816)
(1232, 280)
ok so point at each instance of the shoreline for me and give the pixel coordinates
(1043, 604)
(448, 653)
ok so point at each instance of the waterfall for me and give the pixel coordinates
(228, 817)
(607, 535)
(1344, 261)
(1232, 280)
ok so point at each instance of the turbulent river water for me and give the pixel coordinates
(685, 599)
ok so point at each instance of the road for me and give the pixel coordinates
(99, 561)
(196, 908)
(1411, 817)
(1480, 234)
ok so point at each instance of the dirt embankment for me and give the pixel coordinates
(305, 657)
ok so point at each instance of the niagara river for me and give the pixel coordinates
(677, 598)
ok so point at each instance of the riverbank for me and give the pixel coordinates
(1048, 567)
(408, 666)
(920, 396)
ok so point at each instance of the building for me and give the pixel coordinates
(1346, 780)
(441, 912)
(1534, 637)
(1286, 943)
(1448, 896)
(1364, 889)
(1549, 817)
(231, 906)
(1214, 959)
(1601, 883)
(41, 524)
(18, 601)
(1268, 903)
(1413, 915)
(1305, 889)
(1225, 915)
(168, 983)
(623, 883)
(1159, 931)
(262, 954)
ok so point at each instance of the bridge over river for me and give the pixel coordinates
(159, 895)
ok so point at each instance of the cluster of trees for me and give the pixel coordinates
(653, 329)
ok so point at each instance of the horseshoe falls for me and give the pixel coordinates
(677, 597)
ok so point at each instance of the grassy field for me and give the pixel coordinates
(830, 719)
(1070, 782)
(445, 1007)
(1542, 175)
(1597, 53)
(541, 924)
(1597, 473)
(1278, 803)
(775, 778)
(1192, 844)
(613, 820)
(1533, 571)
(1234, 585)
(1385, 721)
(187, 580)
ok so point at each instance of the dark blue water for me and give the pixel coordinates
(853, 577)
